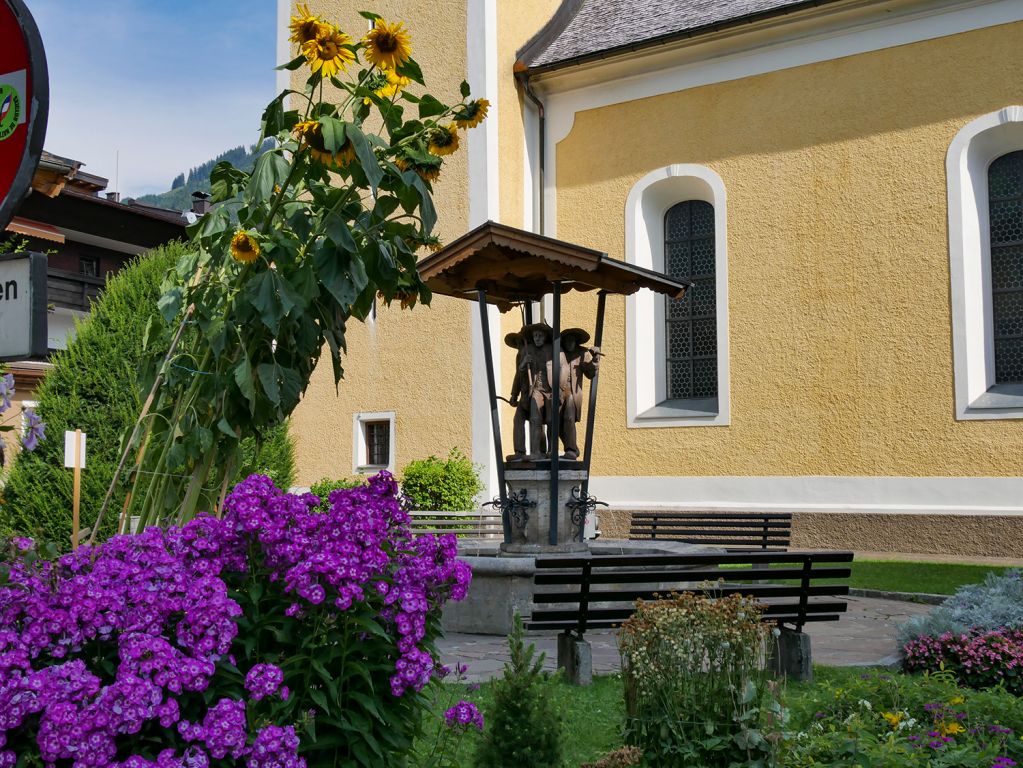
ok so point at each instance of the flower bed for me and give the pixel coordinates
(978, 659)
(276, 636)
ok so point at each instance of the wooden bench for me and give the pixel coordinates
(476, 525)
(573, 594)
(738, 531)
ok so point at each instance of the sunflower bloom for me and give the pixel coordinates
(306, 26)
(443, 140)
(425, 172)
(388, 45)
(386, 85)
(472, 114)
(310, 133)
(327, 52)
(244, 247)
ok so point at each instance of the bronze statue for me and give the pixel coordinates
(531, 390)
(576, 363)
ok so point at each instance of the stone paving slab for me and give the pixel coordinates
(864, 636)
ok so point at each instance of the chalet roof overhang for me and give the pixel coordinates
(513, 266)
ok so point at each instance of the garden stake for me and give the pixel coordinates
(77, 493)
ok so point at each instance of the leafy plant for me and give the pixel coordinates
(877, 718)
(92, 387)
(329, 219)
(324, 487)
(436, 485)
(696, 687)
(523, 728)
(276, 636)
(995, 603)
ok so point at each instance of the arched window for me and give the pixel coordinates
(1005, 201)
(690, 323)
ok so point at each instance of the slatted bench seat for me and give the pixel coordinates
(476, 525)
(573, 594)
(736, 531)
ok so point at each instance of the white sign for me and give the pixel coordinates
(22, 305)
(69, 451)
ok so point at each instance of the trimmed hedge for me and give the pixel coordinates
(94, 387)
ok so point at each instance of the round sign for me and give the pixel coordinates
(24, 100)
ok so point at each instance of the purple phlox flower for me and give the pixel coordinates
(263, 680)
(35, 430)
(462, 715)
(6, 391)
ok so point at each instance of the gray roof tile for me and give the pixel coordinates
(602, 25)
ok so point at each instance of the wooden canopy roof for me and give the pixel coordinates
(513, 265)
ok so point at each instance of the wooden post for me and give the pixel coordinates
(77, 493)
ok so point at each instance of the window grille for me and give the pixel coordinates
(378, 443)
(690, 323)
(88, 266)
(1005, 196)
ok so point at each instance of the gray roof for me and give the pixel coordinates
(591, 27)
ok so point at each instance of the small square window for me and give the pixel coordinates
(373, 442)
(88, 266)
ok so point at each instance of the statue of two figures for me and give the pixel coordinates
(532, 388)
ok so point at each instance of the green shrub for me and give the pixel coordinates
(696, 690)
(437, 485)
(93, 387)
(326, 485)
(523, 727)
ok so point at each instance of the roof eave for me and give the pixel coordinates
(528, 71)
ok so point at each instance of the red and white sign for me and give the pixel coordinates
(24, 99)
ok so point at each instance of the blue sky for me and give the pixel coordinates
(166, 83)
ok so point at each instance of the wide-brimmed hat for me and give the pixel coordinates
(527, 330)
(581, 336)
(513, 339)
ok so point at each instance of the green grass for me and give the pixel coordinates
(897, 576)
(933, 578)
(594, 716)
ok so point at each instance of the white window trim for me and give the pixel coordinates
(359, 458)
(969, 234)
(648, 202)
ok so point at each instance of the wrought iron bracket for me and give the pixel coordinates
(517, 507)
(582, 505)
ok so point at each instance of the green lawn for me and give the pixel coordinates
(593, 717)
(931, 578)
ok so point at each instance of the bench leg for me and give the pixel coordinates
(790, 656)
(575, 657)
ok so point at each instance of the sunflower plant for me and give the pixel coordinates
(329, 220)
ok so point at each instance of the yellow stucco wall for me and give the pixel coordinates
(417, 363)
(839, 308)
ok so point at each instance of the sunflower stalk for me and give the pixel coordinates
(328, 220)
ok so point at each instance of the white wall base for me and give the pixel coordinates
(882, 495)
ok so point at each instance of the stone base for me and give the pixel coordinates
(790, 656)
(531, 526)
(575, 657)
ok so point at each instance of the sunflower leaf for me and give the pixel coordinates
(368, 160)
(333, 132)
(430, 106)
(271, 169)
(427, 211)
(337, 230)
(243, 378)
(412, 71)
(268, 378)
(294, 64)
(369, 15)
